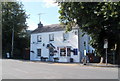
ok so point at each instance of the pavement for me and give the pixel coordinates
(87, 64)
(102, 65)
(21, 69)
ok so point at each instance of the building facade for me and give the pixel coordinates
(52, 43)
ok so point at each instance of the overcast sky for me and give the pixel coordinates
(47, 7)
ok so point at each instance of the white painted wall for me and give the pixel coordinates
(58, 42)
(85, 38)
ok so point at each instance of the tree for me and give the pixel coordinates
(13, 16)
(99, 19)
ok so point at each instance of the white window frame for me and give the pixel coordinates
(51, 37)
(65, 36)
(39, 38)
(38, 52)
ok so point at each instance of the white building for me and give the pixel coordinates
(52, 43)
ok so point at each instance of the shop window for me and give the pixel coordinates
(38, 52)
(62, 51)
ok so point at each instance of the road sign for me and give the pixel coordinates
(105, 43)
(106, 46)
(84, 52)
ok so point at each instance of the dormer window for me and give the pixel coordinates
(51, 37)
(39, 38)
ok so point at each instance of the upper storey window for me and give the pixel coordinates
(51, 37)
(65, 36)
(39, 38)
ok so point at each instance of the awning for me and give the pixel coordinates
(50, 45)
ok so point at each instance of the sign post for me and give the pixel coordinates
(84, 58)
(106, 46)
(114, 53)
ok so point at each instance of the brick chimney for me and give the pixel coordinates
(40, 25)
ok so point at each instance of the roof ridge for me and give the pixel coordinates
(49, 28)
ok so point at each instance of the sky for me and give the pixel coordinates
(49, 11)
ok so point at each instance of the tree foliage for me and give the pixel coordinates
(14, 16)
(99, 19)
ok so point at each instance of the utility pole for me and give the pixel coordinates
(12, 34)
(12, 41)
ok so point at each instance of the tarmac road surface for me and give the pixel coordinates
(18, 69)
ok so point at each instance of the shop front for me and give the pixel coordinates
(64, 54)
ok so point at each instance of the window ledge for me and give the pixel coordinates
(51, 41)
(39, 43)
(66, 41)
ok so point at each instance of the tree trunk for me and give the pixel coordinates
(118, 49)
(118, 54)
(101, 59)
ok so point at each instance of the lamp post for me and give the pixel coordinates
(12, 41)
(12, 32)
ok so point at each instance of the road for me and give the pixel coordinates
(18, 69)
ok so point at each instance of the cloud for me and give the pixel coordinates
(29, 0)
(46, 3)
(31, 24)
(49, 3)
(32, 27)
(44, 22)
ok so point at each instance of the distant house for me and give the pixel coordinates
(52, 43)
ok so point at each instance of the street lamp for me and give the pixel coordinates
(12, 32)
(12, 41)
